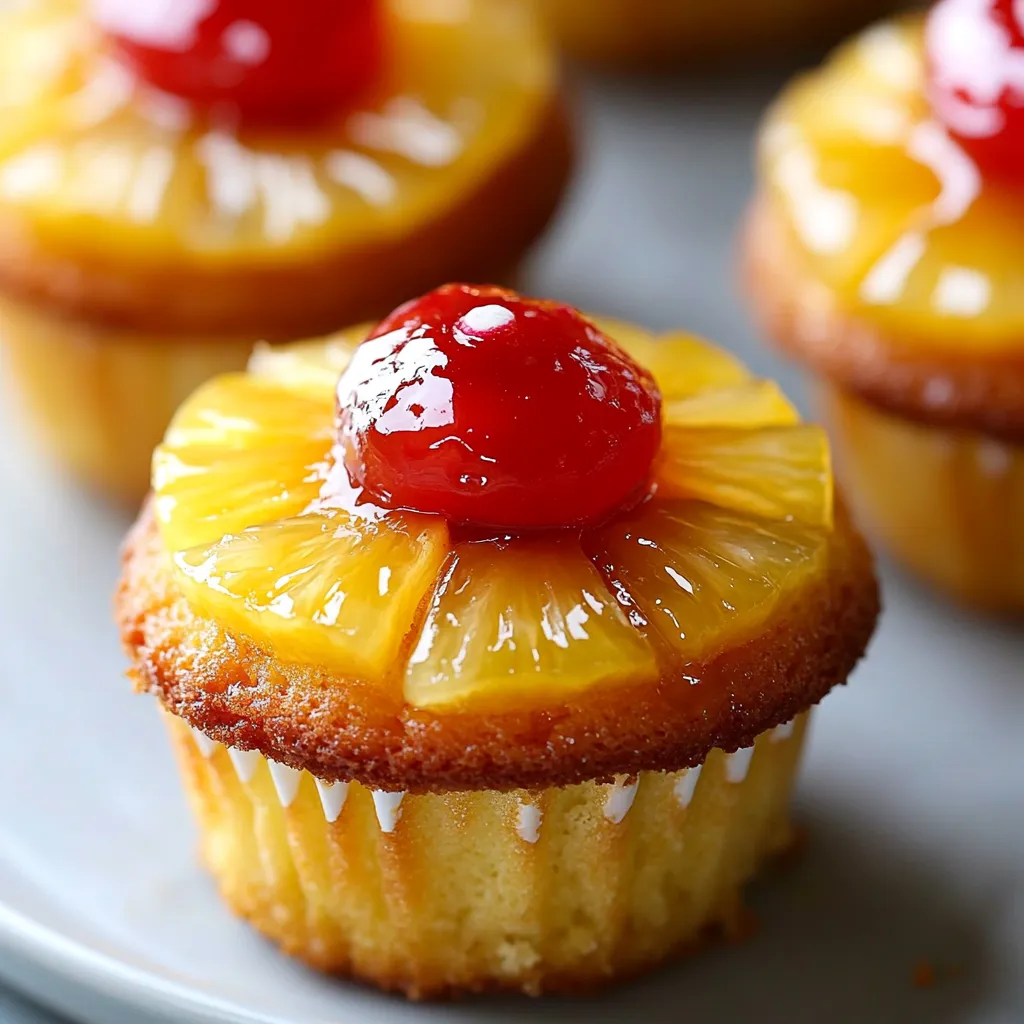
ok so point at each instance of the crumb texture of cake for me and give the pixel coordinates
(565, 890)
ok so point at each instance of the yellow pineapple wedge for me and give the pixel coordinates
(759, 403)
(520, 619)
(308, 365)
(328, 588)
(841, 154)
(702, 577)
(244, 412)
(777, 472)
(681, 364)
(239, 452)
(206, 493)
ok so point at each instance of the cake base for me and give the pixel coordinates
(947, 504)
(432, 895)
(99, 399)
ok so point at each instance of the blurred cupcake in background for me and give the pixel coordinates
(884, 252)
(177, 181)
(644, 32)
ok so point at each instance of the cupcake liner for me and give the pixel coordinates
(100, 399)
(947, 504)
(562, 889)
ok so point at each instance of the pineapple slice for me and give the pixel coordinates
(702, 577)
(521, 619)
(308, 365)
(241, 451)
(243, 411)
(682, 364)
(758, 404)
(776, 472)
(206, 493)
(330, 589)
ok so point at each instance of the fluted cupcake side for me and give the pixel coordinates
(558, 890)
(948, 504)
(100, 398)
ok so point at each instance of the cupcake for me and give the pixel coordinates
(175, 184)
(652, 32)
(488, 663)
(883, 253)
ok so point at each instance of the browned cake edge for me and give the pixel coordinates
(339, 728)
(904, 376)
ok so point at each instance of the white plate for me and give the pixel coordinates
(913, 789)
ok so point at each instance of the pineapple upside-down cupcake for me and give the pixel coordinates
(178, 181)
(884, 252)
(643, 33)
(488, 664)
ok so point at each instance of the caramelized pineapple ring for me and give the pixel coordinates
(737, 524)
(889, 213)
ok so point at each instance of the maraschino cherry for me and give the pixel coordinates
(267, 59)
(498, 411)
(975, 54)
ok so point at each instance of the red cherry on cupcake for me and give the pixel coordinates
(499, 411)
(269, 59)
(975, 51)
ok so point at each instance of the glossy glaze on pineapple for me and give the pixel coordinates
(883, 248)
(81, 138)
(897, 217)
